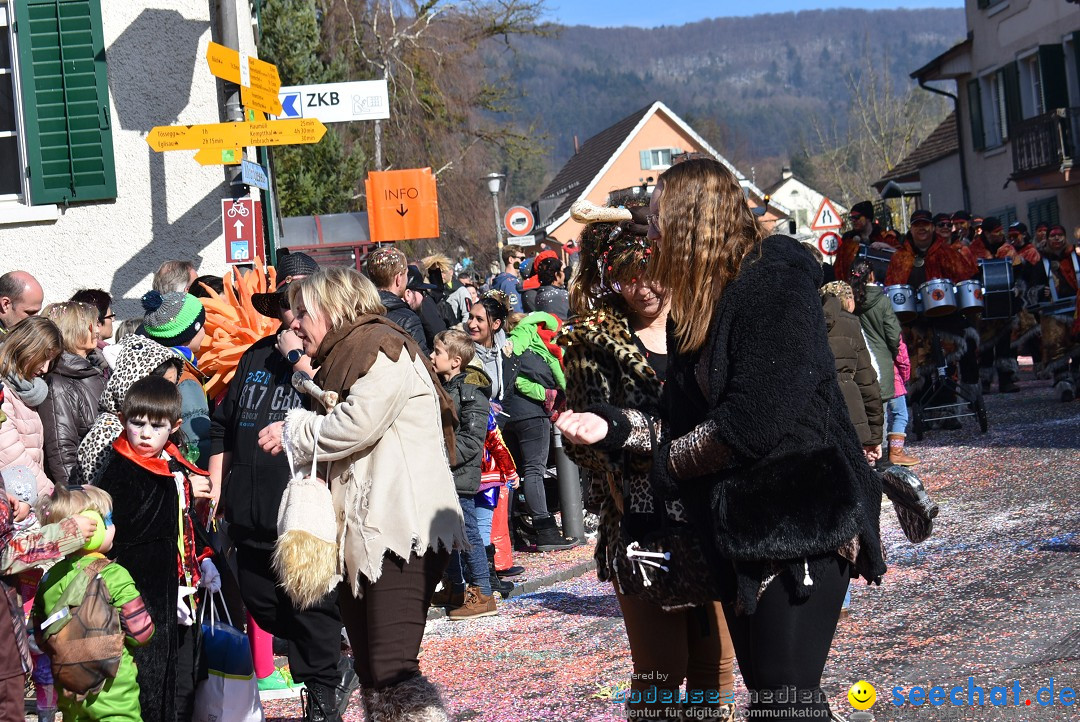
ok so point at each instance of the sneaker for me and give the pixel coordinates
(476, 605)
(277, 680)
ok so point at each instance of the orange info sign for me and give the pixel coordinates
(402, 205)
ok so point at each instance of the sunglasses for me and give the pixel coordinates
(944, 224)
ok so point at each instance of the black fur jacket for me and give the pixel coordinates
(760, 444)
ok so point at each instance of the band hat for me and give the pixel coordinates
(1019, 228)
(990, 224)
(922, 215)
(942, 218)
(172, 319)
(961, 215)
(288, 268)
(862, 208)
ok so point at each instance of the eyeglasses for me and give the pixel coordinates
(944, 224)
(108, 318)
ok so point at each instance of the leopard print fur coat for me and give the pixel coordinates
(604, 366)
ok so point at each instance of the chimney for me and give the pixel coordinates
(785, 173)
(577, 148)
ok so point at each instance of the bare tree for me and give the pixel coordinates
(446, 111)
(881, 126)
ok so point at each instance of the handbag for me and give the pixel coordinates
(915, 510)
(659, 559)
(230, 692)
(306, 551)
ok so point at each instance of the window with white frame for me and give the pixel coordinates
(658, 158)
(1032, 101)
(994, 117)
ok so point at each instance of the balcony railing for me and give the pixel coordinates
(1046, 142)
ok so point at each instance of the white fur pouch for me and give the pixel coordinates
(306, 553)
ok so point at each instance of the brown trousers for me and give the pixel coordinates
(668, 648)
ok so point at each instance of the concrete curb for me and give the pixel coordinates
(532, 585)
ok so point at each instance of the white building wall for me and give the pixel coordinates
(803, 202)
(942, 191)
(167, 205)
(1000, 34)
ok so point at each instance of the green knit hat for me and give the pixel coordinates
(172, 319)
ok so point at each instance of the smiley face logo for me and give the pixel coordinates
(862, 695)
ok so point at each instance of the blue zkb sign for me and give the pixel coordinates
(291, 107)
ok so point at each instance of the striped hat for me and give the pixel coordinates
(172, 319)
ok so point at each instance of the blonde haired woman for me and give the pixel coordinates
(386, 442)
(28, 351)
(75, 388)
(755, 434)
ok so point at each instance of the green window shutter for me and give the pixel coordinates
(646, 160)
(1052, 68)
(978, 135)
(1014, 112)
(65, 95)
(1044, 210)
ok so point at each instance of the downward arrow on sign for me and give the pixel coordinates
(239, 226)
(402, 210)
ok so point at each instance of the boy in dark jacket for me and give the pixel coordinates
(470, 388)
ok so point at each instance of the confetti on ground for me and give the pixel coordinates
(992, 595)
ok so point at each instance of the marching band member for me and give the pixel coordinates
(1056, 281)
(924, 257)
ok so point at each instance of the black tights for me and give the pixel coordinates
(783, 645)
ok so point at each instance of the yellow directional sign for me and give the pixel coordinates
(213, 156)
(258, 79)
(225, 136)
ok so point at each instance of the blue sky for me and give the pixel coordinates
(651, 13)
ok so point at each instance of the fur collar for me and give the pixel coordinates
(608, 329)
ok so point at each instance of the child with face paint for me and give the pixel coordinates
(155, 491)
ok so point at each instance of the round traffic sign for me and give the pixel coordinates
(518, 221)
(829, 243)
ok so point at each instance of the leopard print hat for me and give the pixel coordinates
(134, 358)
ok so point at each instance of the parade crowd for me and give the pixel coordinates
(737, 408)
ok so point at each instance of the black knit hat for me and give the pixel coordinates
(864, 209)
(288, 267)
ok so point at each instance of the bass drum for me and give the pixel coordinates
(969, 298)
(904, 302)
(938, 298)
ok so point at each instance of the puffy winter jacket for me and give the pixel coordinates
(855, 372)
(399, 312)
(22, 439)
(68, 412)
(471, 391)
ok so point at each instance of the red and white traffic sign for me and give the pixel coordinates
(829, 243)
(827, 217)
(243, 229)
(518, 221)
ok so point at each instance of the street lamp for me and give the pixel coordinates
(494, 184)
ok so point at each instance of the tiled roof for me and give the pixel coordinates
(584, 166)
(939, 144)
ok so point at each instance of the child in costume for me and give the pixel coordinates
(155, 489)
(118, 699)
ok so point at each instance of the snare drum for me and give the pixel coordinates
(903, 301)
(937, 297)
(969, 297)
(997, 283)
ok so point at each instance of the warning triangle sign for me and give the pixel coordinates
(827, 217)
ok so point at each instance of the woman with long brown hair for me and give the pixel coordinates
(616, 354)
(755, 434)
